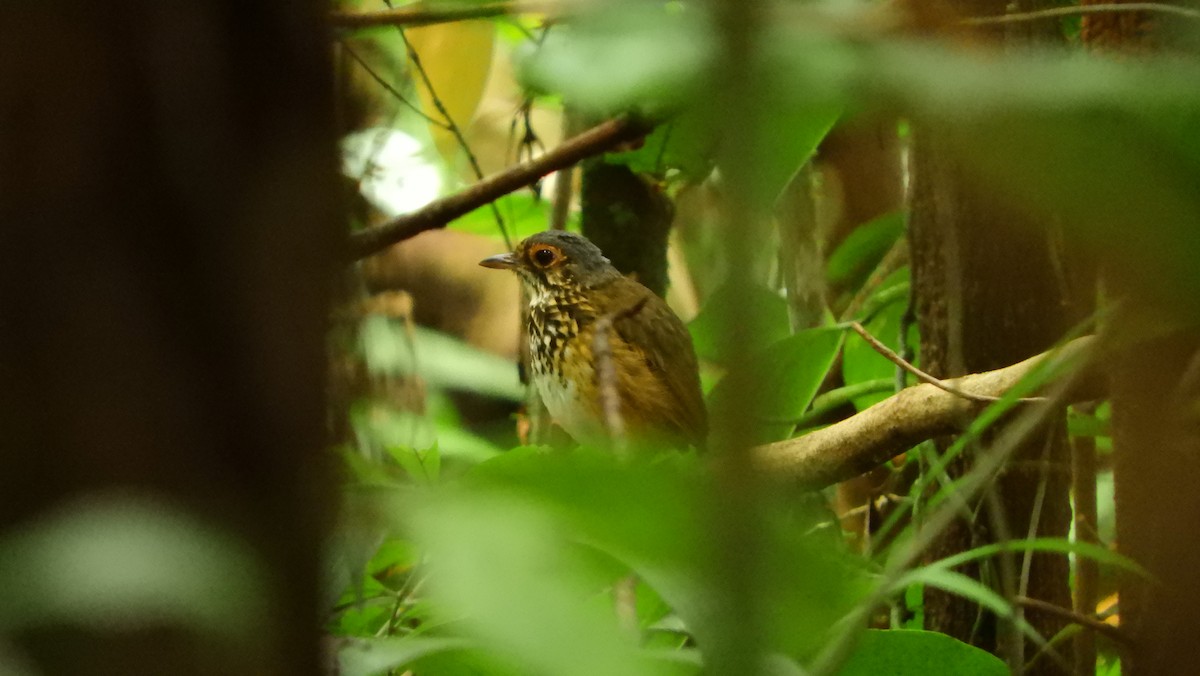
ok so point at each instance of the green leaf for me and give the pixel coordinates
(763, 303)
(854, 259)
(783, 379)
(860, 361)
(1059, 545)
(622, 55)
(968, 588)
(791, 126)
(117, 561)
(956, 583)
(376, 656)
(651, 515)
(524, 214)
(904, 652)
(685, 144)
(448, 362)
(505, 568)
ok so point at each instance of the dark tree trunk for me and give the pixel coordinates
(988, 296)
(629, 219)
(1157, 471)
(1156, 440)
(167, 226)
(989, 293)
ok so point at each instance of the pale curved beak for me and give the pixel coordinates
(502, 262)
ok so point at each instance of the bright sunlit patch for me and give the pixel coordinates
(394, 172)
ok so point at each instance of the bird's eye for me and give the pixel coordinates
(544, 256)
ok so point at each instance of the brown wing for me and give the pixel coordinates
(651, 330)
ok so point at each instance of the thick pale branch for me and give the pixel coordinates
(847, 449)
(603, 137)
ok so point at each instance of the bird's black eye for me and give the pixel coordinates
(544, 256)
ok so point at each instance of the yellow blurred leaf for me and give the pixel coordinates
(457, 57)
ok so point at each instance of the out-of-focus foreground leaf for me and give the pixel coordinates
(125, 561)
(522, 551)
(783, 378)
(901, 652)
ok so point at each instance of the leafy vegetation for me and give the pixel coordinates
(537, 561)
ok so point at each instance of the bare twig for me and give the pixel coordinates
(1086, 621)
(437, 214)
(387, 86)
(1058, 12)
(606, 385)
(428, 14)
(560, 206)
(451, 127)
(923, 376)
(866, 440)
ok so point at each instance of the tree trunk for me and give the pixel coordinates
(168, 224)
(1156, 441)
(629, 219)
(987, 297)
(1157, 470)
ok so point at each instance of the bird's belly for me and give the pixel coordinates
(573, 409)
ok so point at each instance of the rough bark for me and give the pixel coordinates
(169, 222)
(988, 296)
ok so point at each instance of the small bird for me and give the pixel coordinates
(574, 292)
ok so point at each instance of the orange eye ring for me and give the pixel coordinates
(544, 256)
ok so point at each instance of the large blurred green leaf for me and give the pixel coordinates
(622, 55)
(441, 360)
(769, 306)
(505, 568)
(902, 652)
(125, 561)
(783, 378)
(652, 516)
(376, 656)
(684, 144)
(1109, 150)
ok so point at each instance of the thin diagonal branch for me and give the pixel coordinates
(429, 14)
(437, 214)
(387, 86)
(1087, 621)
(451, 126)
(1058, 12)
(924, 377)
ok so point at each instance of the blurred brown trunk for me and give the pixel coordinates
(1157, 470)
(168, 224)
(1156, 439)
